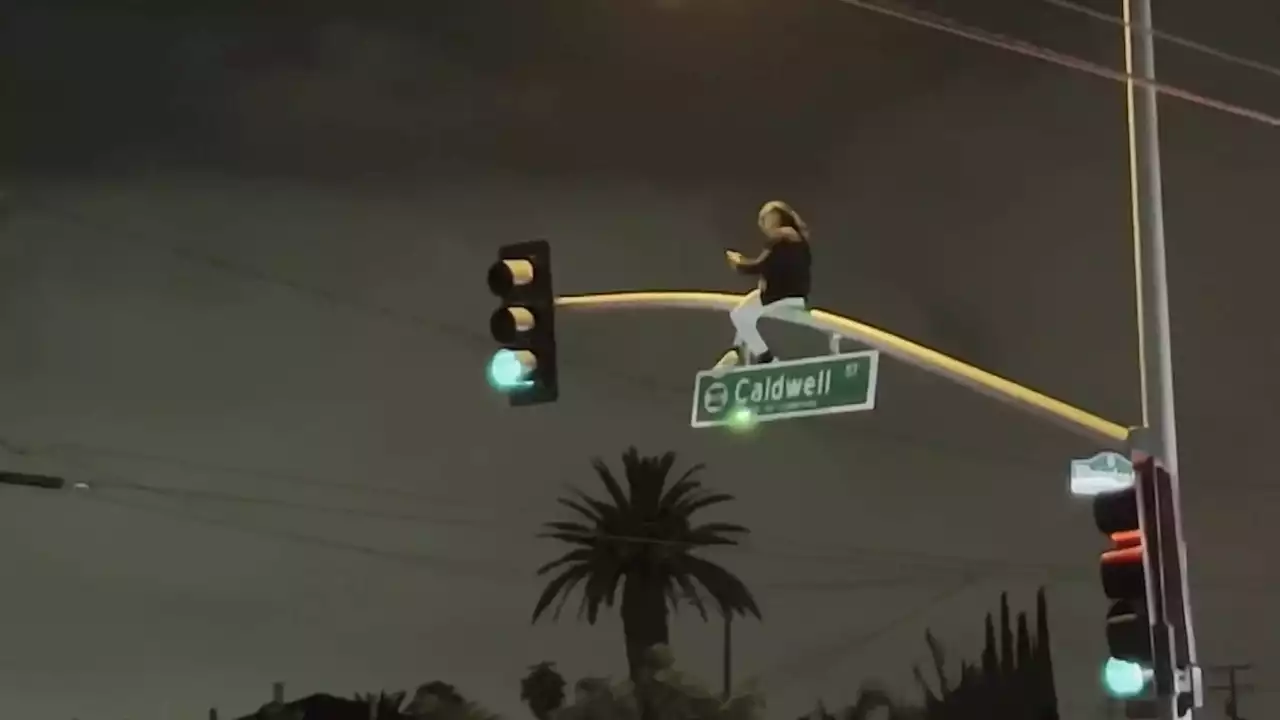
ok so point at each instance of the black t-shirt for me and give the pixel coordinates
(785, 272)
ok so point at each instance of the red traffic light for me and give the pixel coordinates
(1123, 566)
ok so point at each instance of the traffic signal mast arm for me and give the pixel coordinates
(1080, 421)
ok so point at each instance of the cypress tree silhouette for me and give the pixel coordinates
(1013, 680)
(1046, 690)
(1022, 683)
(1003, 683)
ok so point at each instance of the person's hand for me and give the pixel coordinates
(734, 257)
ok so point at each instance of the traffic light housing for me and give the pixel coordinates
(1127, 517)
(524, 367)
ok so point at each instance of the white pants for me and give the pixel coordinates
(748, 313)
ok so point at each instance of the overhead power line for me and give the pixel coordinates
(951, 26)
(99, 485)
(823, 657)
(246, 272)
(1167, 37)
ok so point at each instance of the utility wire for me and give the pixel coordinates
(451, 566)
(844, 555)
(951, 26)
(854, 556)
(255, 474)
(912, 567)
(648, 385)
(808, 663)
(98, 481)
(436, 564)
(1167, 37)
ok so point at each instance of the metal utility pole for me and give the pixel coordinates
(1155, 346)
(1232, 688)
(727, 658)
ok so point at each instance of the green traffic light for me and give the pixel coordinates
(1124, 679)
(507, 371)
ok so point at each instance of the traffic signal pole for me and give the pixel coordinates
(1155, 346)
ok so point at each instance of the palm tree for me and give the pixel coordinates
(644, 538)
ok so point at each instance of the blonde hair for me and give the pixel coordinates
(790, 218)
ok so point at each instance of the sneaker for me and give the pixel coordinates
(728, 360)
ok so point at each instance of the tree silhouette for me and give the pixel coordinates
(543, 690)
(432, 701)
(1012, 680)
(1014, 683)
(645, 539)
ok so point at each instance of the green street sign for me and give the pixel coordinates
(788, 389)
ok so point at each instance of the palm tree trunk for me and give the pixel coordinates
(644, 622)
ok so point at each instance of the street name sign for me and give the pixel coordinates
(1103, 473)
(824, 385)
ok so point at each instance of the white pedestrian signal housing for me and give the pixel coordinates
(524, 366)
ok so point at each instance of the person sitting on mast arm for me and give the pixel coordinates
(783, 271)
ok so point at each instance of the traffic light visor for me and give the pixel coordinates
(512, 370)
(1129, 631)
(1116, 512)
(508, 323)
(505, 275)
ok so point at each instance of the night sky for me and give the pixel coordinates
(241, 260)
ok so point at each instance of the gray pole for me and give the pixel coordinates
(1155, 347)
(727, 691)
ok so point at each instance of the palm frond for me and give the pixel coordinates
(579, 555)
(620, 500)
(572, 538)
(662, 465)
(581, 508)
(567, 591)
(729, 592)
(719, 530)
(722, 528)
(646, 478)
(600, 590)
(561, 583)
(603, 510)
(682, 487)
(691, 595)
(569, 527)
(696, 540)
(595, 511)
(700, 501)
